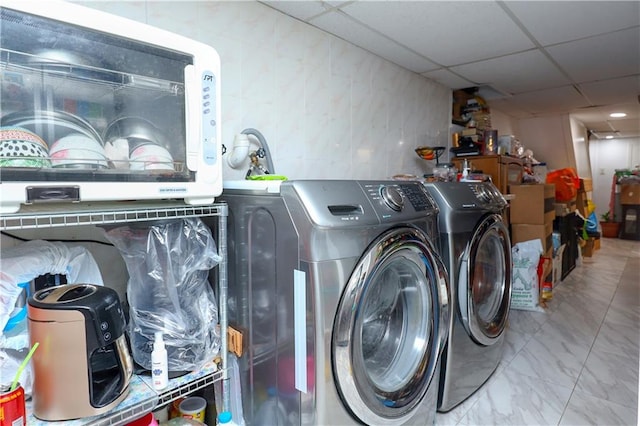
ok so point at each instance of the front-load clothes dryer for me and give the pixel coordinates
(343, 297)
(477, 251)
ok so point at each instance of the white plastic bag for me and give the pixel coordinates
(10, 360)
(29, 260)
(525, 288)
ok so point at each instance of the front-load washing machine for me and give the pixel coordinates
(476, 248)
(343, 299)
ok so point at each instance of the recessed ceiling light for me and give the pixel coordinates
(617, 114)
(608, 137)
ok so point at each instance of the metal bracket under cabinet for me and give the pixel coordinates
(142, 398)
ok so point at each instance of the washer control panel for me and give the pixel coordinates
(393, 197)
(343, 203)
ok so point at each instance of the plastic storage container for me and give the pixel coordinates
(193, 408)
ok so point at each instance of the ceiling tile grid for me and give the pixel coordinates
(552, 22)
(602, 57)
(544, 57)
(517, 73)
(344, 27)
(479, 30)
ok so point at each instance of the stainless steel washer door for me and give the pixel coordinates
(484, 287)
(390, 327)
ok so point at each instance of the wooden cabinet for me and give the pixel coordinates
(503, 169)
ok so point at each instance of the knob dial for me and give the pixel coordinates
(392, 198)
(483, 194)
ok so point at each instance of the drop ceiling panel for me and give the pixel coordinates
(298, 9)
(341, 25)
(521, 72)
(449, 79)
(508, 106)
(550, 101)
(552, 22)
(597, 58)
(625, 125)
(448, 33)
(613, 91)
(596, 115)
(598, 126)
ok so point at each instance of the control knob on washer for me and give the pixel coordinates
(483, 194)
(392, 197)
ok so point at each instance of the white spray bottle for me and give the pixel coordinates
(159, 373)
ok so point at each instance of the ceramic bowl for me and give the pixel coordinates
(76, 141)
(20, 134)
(37, 163)
(79, 158)
(147, 150)
(159, 166)
(22, 149)
(152, 162)
(50, 125)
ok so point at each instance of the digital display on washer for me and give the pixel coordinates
(416, 196)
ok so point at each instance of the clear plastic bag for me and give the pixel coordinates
(168, 290)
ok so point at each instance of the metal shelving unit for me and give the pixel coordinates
(142, 397)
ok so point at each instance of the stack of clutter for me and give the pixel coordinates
(532, 215)
(586, 210)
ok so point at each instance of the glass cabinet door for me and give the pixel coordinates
(78, 104)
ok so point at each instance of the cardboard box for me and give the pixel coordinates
(581, 202)
(533, 204)
(557, 266)
(547, 264)
(586, 185)
(563, 209)
(462, 95)
(588, 248)
(456, 111)
(630, 193)
(526, 232)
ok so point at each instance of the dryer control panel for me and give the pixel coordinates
(395, 200)
(489, 196)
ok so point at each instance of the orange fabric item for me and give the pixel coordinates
(566, 181)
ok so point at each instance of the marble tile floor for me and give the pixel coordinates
(577, 362)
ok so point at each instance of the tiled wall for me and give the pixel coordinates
(327, 108)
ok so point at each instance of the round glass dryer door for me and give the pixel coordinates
(485, 286)
(389, 328)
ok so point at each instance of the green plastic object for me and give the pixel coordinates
(267, 177)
